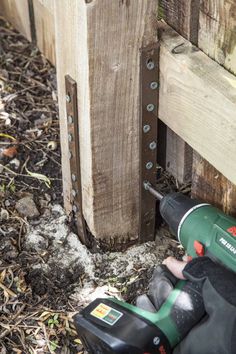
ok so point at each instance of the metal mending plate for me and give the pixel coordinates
(74, 156)
(148, 139)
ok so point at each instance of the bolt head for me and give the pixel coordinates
(70, 137)
(146, 128)
(156, 340)
(146, 185)
(70, 119)
(149, 165)
(150, 107)
(73, 192)
(150, 65)
(73, 177)
(74, 208)
(153, 85)
(152, 145)
(68, 98)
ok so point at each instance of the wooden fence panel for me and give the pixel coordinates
(182, 15)
(217, 38)
(45, 27)
(17, 12)
(40, 20)
(200, 95)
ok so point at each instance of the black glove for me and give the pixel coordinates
(216, 333)
(160, 286)
(188, 308)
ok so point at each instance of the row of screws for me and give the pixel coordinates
(70, 138)
(150, 108)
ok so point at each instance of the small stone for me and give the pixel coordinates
(15, 163)
(7, 203)
(26, 207)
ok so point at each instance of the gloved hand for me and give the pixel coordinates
(215, 288)
(216, 333)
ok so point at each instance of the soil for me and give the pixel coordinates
(46, 274)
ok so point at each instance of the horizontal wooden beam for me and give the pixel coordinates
(198, 101)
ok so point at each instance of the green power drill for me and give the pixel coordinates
(109, 326)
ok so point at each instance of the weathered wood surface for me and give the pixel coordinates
(103, 56)
(178, 157)
(217, 38)
(39, 22)
(198, 101)
(182, 15)
(210, 185)
(17, 12)
(217, 31)
(45, 27)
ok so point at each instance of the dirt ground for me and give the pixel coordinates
(46, 274)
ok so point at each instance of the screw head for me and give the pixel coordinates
(146, 128)
(153, 85)
(146, 185)
(74, 208)
(150, 65)
(70, 119)
(152, 145)
(73, 192)
(150, 107)
(68, 98)
(73, 177)
(149, 165)
(156, 340)
(70, 137)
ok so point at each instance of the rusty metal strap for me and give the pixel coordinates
(74, 156)
(148, 139)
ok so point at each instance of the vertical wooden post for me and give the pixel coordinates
(97, 44)
(217, 38)
(182, 15)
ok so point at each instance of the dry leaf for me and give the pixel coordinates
(10, 152)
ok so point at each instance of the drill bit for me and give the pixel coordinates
(154, 192)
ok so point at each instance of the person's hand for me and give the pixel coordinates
(175, 267)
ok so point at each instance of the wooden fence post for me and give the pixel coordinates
(97, 44)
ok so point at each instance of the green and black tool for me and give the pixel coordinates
(109, 326)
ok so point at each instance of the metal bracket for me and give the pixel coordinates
(148, 139)
(74, 151)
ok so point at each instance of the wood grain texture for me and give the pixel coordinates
(217, 38)
(17, 13)
(45, 27)
(182, 15)
(217, 31)
(211, 186)
(103, 56)
(178, 157)
(198, 101)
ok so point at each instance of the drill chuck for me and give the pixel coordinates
(173, 208)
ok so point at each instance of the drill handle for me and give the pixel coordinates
(182, 310)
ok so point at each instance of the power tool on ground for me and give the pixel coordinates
(109, 326)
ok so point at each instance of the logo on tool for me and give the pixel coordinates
(232, 230)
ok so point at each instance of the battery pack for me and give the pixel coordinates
(106, 327)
